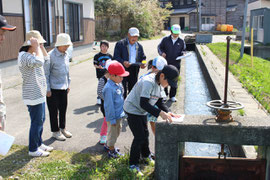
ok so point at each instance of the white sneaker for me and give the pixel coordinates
(46, 148)
(66, 133)
(98, 101)
(173, 99)
(39, 153)
(59, 136)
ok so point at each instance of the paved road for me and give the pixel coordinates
(84, 118)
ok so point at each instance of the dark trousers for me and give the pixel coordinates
(140, 143)
(172, 90)
(102, 107)
(129, 81)
(37, 115)
(57, 103)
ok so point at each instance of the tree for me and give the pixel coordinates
(146, 15)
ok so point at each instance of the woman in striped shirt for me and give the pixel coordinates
(31, 59)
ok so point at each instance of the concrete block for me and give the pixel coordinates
(204, 38)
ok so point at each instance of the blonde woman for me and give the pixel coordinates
(31, 59)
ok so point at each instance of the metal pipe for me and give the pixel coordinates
(200, 15)
(243, 31)
(227, 69)
(251, 47)
(58, 13)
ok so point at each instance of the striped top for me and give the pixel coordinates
(34, 81)
(101, 83)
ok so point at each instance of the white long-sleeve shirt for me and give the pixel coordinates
(2, 105)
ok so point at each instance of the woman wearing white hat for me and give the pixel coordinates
(58, 81)
(31, 59)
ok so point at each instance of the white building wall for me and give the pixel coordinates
(176, 20)
(266, 3)
(88, 7)
(12, 6)
(257, 5)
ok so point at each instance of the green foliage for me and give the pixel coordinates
(241, 112)
(256, 80)
(64, 165)
(146, 15)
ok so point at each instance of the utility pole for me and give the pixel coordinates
(244, 30)
(200, 15)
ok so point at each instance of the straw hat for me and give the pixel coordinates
(63, 39)
(34, 34)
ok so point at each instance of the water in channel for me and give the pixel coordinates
(196, 96)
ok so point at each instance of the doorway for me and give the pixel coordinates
(182, 22)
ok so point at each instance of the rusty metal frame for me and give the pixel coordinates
(214, 168)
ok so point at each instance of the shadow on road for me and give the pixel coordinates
(49, 141)
(14, 162)
(97, 125)
(93, 109)
(97, 149)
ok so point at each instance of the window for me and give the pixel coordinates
(181, 2)
(189, 1)
(73, 21)
(261, 22)
(255, 22)
(208, 20)
(39, 15)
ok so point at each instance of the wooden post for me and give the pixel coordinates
(251, 48)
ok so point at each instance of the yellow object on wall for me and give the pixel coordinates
(224, 27)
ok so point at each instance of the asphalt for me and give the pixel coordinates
(84, 118)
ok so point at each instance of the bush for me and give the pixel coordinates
(146, 15)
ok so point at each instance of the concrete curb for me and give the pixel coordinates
(214, 75)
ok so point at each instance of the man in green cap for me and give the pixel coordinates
(170, 48)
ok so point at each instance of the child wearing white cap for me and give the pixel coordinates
(156, 65)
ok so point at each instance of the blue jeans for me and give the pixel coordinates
(37, 115)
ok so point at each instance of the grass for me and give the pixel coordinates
(64, 165)
(255, 79)
(203, 51)
(241, 112)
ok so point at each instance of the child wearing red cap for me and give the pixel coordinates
(113, 105)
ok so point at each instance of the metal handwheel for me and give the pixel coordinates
(229, 106)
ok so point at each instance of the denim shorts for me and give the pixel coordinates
(151, 118)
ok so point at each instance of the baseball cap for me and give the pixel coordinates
(133, 31)
(171, 73)
(108, 62)
(176, 29)
(4, 25)
(118, 69)
(159, 62)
